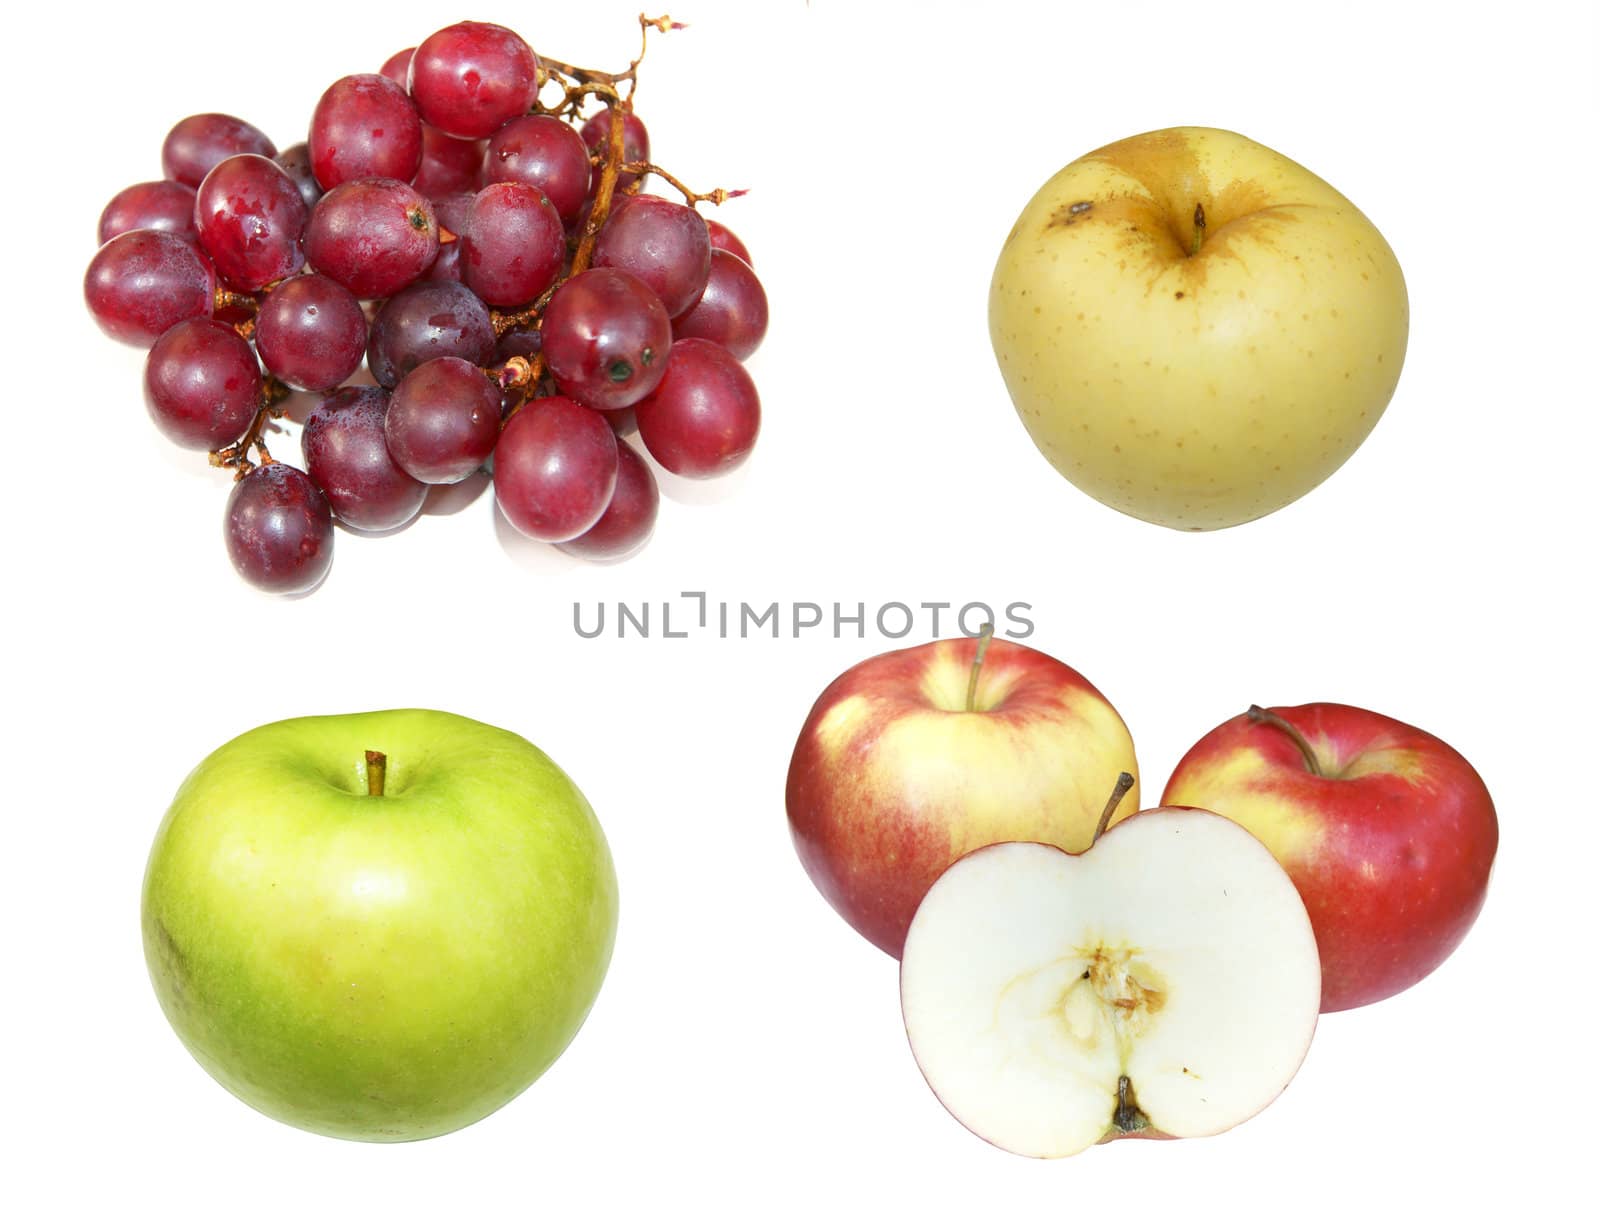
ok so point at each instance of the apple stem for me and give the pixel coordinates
(1279, 723)
(1124, 785)
(1199, 228)
(985, 636)
(376, 764)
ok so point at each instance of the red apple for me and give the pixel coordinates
(912, 759)
(1386, 831)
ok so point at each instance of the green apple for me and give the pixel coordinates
(1194, 329)
(378, 926)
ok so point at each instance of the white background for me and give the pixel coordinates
(746, 1065)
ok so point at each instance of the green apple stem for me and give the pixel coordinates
(985, 636)
(376, 764)
(1124, 785)
(1279, 723)
(1199, 228)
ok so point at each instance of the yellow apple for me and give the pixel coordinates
(1194, 329)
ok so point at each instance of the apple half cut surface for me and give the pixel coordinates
(1164, 983)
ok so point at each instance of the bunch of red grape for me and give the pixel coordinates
(488, 254)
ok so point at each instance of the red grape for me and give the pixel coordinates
(443, 419)
(732, 311)
(628, 519)
(373, 236)
(606, 338)
(365, 126)
(202, 384)
(160, 205)
(311, 332)
(251, 218)
(397, 68)
(428, 320)
(200, 142)
(449, 164)
(296, 164)
(279, 529)
(596, 132)
(517, 342)
(725, 239)
(514, 246)
(663, 244)
(470, 78)
(143, 282)
(703, 419)
(555, 469)
(347, 457)
(544, 153)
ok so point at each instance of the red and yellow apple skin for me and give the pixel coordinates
(893, 779)
(1390, 844)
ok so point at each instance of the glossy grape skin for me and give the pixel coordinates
(251, 219)
(279, 529)
(160, 205)
(296, 164)
(606, 338)
(521, 342)
(364, 127)
(199, 142)
(725, 239)
(428, 320)
(443, 419)
(596, 133)
(515, 245)
(470, 78)
(448, 165)
(555, 469)
(397, 68)
(311, 332)
(663, 244)
(347, 457)
(544, 153)
(629, 517)
(143, 282)
(454, 212)
(373, 236)
(732, 311)
(703, 419)
(202, 384)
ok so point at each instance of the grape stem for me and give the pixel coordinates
(236, 457)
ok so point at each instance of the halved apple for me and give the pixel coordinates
(1164, 983)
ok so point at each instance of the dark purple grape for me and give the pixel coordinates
(732, 311)
(514, 246)
(160, 205)
(703, 419)
(470, 78)
(606, 338)
(397, 68)
(311, 332)
(428, 320)
(142, 283)
(364, 127)
(443, 420)
(725, 239)
(454, 212)
(373, 236)
(279, 529)
(202, 384)
(251, 218)
(347, 457)
(544, 153)
(628, 519)
(555, 468)
(449, 164)
(596, 132)
(296, 164)
(516, 343)
(200, 142)
(663, 244)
